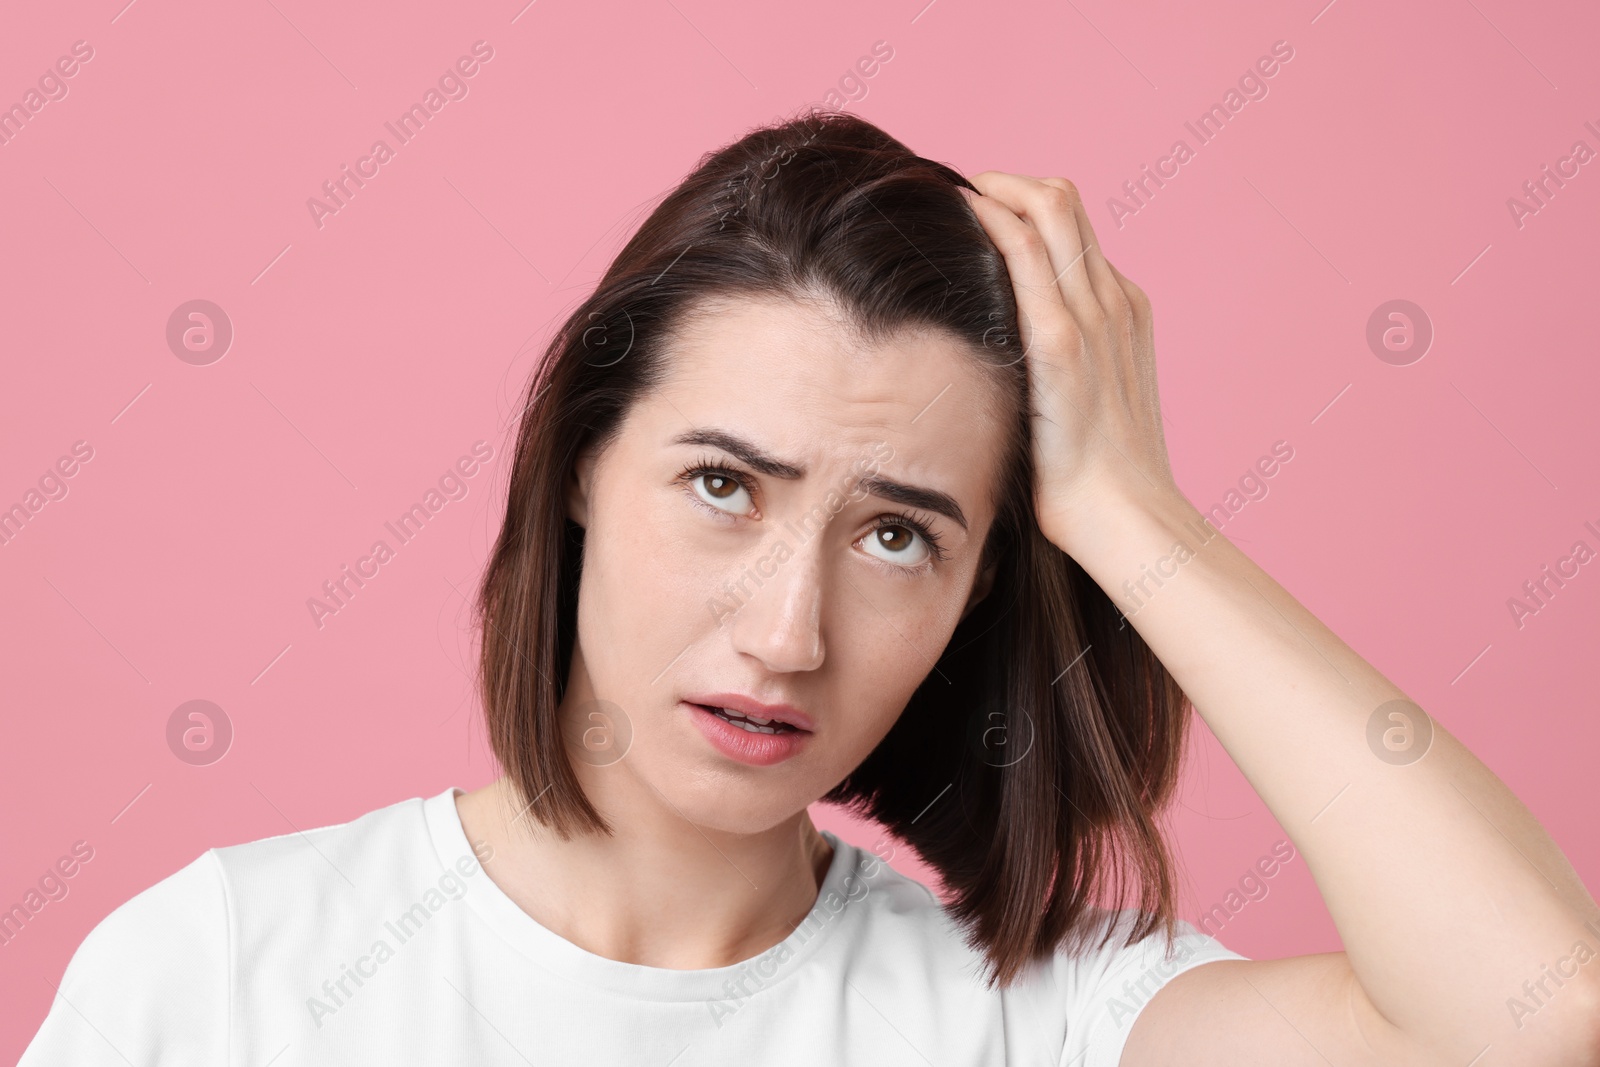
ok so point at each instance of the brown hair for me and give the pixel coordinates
(1030, 765)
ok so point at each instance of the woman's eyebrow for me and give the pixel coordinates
(914, 496)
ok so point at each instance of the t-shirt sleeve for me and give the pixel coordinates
(1108, 986)
(149, 984)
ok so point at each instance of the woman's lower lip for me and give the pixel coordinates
(760, 750)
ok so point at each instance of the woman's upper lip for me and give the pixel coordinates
(745, 705)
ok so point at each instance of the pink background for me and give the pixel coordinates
(370, 353)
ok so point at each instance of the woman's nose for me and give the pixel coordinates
(780, 623)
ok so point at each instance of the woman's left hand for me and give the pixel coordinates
(1430, 947)
(1086, 333)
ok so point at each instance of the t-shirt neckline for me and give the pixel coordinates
(554, 953)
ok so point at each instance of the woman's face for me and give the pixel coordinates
(733, 548)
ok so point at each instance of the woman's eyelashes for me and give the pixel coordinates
(724, 491)
(898, 529)
(719, 487)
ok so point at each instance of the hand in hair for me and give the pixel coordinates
(1086, 333)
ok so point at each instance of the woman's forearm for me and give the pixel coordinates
(1447, 893)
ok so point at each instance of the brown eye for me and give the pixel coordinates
(898, 544)
(720, 487)
(894, 538)
(719, 490)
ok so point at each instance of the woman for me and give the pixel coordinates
(821, 496)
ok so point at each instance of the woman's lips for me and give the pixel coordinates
(746, 746)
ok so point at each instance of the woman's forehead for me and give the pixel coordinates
(801, 360)
(791, 383)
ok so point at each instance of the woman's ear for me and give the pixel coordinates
(980, 589)
(580, 482)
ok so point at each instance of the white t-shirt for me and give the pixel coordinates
(383, 941)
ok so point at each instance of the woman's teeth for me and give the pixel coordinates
(751, 723)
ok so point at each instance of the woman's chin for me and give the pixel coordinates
(713, 804)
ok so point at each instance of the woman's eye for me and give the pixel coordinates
(897, 544)
(722, 492)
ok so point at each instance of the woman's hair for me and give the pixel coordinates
(1030, 765)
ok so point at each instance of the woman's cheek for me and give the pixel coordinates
(869, 726)
(672, 545)
(926, 610)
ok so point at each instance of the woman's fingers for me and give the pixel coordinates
(1101, 273)
(1136, 296)
(1049, 211)
(1054, 208)
(1086, 334)
(1041, 310)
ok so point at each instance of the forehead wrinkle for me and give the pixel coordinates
(821, 370)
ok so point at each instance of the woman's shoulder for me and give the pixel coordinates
(165, 946)
(1083, 997)
(1104, 982)
(1103, 948)
(158, 968)
(372, 847)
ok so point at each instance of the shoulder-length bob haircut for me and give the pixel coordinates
(1030, 766)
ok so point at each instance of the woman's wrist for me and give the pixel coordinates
(1118, 517)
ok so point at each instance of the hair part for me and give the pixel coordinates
(828, 207)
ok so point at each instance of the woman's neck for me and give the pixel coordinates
(660, 892)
